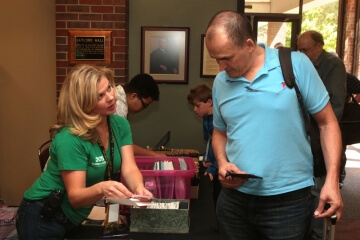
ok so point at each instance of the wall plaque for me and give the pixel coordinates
(89, 48)
(92, 47)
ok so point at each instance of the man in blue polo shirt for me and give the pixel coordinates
(258, 129)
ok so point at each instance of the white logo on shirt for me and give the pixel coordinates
(99, 161)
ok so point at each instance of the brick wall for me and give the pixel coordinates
(109, 15)
(349, 30)
(276, 33)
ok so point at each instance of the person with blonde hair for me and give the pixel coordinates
(90, 147)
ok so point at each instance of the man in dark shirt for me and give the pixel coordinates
(333, 74)
(329, 67)
(353, 86)
(350, 122)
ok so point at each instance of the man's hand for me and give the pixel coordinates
(210, 175)
(332, 196)
(228, 181)
(207, 164)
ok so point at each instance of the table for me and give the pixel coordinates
(202, 221)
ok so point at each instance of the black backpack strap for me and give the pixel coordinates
(286, 66)
(311, 127)
(289, 77)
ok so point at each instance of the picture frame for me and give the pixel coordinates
(165, 53)
(89, 47)
(209, 67)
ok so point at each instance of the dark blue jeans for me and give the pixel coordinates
(285, 216)
(30, 225)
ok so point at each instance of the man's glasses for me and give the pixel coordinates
(145, 105)
(304, 50)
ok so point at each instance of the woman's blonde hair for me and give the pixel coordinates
(78, 98)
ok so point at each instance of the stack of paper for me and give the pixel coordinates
(134, 201)
(183, 165)
(163, 165)
(165, 205)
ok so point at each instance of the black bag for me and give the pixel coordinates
(310, 124)
(350, 122)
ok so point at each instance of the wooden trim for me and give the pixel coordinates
(73, 47)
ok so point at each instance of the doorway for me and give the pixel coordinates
(270, 29)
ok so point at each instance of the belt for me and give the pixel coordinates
(58, 214)
(289, 195)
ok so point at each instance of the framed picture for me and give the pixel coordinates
(91, 47)
(208, 65)
(165, 53)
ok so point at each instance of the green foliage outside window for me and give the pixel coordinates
(323, 19)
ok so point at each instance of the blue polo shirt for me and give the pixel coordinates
(264, 125)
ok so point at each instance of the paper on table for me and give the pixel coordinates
(128, 201)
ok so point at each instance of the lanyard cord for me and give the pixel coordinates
(109, 164)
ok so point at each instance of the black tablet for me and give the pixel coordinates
(241, 175)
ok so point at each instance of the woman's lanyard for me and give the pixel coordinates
(109, 164)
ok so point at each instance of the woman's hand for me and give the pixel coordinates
(114, 189)
(80, 196)
(143, 191)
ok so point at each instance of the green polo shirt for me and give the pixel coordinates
(72, 152)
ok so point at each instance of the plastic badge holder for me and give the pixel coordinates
(167, 184)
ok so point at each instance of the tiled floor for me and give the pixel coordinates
(349, 229)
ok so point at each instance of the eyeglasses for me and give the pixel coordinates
(145, 105)
(304, 50)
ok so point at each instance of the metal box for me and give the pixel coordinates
(161, 220)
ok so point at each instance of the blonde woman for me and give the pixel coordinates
(90, 146)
